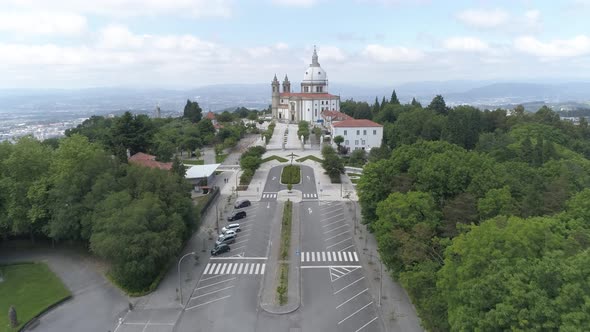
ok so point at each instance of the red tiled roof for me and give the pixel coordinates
(356, 123)
(308, 95)
(211, 115)
(146, 160)
(336, 115)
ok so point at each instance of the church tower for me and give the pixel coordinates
(286, 85)
(275, 97)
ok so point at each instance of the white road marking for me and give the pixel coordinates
(352, 283)
(213, 292)
(202, 304)
(354, 313)
(207, 267)
(262, 268)
(222, 268)
(362, 327)
(332, 223)
(329, 266)
(232, 258)
(333, 229)
(356, 258)
(346, 248)
(335, 236)
(343, 303)
(226, 280)
(217, 269)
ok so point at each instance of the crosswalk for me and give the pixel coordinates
(269, 195)
(235, 268)
(329, 256)
(310, 196)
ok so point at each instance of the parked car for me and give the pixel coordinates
(220, 249)
(237, 215)
(227, 239)
(233, 227)
(227, 233)
(242, 204)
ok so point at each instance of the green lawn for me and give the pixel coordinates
(291, 174)
(30, 288)
(193, 162)
(220, 158)
(314, 158)
(277, 158)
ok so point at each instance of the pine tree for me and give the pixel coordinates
(394, 99)
(376, 107)
(383, 103)
(415, 103)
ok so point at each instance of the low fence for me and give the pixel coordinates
(350, 169)
(211, 197)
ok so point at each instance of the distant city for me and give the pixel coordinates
(49, 113)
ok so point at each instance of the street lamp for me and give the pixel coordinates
(179, 285)
(237, 177)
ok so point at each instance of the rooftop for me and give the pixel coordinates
(356, 123)
(200, 171)
(147, 160)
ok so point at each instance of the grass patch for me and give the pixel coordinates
(193, 162)
(200, 201)
(277, 158)
(291, 174)
(220, 158)
(283, 287)
(31, 288)
(310, 157)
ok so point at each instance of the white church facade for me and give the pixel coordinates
(308, 104)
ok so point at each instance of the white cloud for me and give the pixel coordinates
(483, 19)
(468, 44)
(281, 46)
(118, 36)
(257, 52)
(42, 23)
(392, 54)
(196, 8)
(295, 3)
(329, 54)
(577, 46)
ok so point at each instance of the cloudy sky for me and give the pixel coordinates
(190, 43)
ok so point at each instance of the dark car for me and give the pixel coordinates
(242, 204)
(237, 215)
(220, 249)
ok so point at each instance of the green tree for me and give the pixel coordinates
(415, 103)
(338, 140)
(192, 111)
(358, 158)
(438, 105)
(137, 236)
(178, 168)
(497, 202)
(394, 99)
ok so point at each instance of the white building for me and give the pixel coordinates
(308, 104)
(358, 133)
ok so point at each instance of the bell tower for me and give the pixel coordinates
(275, 97)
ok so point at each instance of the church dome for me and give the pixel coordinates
(315, 73)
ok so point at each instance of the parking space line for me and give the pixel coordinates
(226, 280)
(323, 256)
(238, 248)
(146, 325)
(213, 277)
(362, 327)
(262, 268)
(333, 229)
(352, 283)
(354, 313)
(329, 266)
(337, 243)
(335, 236)
(343, 303)
(233, 258)
(202, 304)
(341, 215)
(223, 266)
(251, 268)
(215, 291)
(346, 248)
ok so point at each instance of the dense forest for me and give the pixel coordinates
(482, 216)
(81, 189)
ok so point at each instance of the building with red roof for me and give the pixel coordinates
(147, 160)
(359, 134)
(308, 104)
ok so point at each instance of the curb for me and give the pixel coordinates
(294, 287)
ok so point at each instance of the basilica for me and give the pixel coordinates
(308, 104)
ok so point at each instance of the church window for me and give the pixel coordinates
(356, 142)
(362, 142)
(319, 72)
(292, 107)
(306, 89)
(316, 112)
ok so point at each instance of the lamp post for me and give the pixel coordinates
(237, 179)
(179, 285)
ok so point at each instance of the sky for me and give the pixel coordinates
(192, 43)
